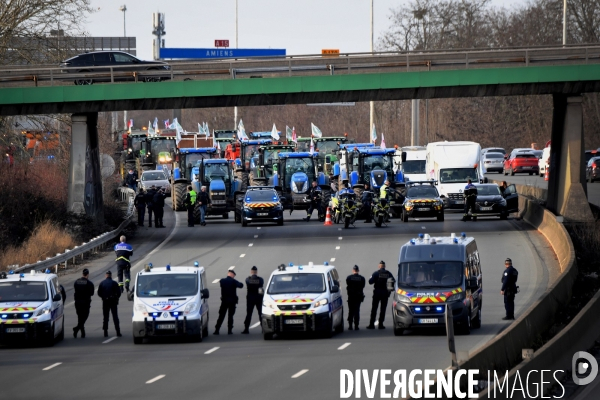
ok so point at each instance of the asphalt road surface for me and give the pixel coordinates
(293, 368)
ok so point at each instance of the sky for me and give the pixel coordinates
(300, 27)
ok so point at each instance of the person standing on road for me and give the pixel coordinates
(131, 180)
(314, 195)
(367, 202)
(356, 284)
(229, 299)
(109, 292)
(124, 253)
(509, 288)
(470, 194)
(84, 290)
(158, 203)
(150, 203)
(380, 294)
(203, 201)
(140, 204)
(254, 298)
(190, 202)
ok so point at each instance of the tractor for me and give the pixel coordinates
(224, 138)
(186, 170)
(217, 175)
(263, 168)
(243, 156)
(327, 147)
(159, 153)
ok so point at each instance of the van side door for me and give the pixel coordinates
(336, 300)
(203, 300)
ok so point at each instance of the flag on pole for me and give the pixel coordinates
(206, 130)
(373, 134)
(155, 124)
(382, 141)
(316, 132)
(294, 138)
(166, 124)
(151, 130)
(214, 140)
(129, 125)
(200, 129)
(178, 129)
(288, 133)
(274, 133)
(241, 131)
(312, 146)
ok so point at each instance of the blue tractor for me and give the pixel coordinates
(217, 176)
(186, 171)
(244, 156)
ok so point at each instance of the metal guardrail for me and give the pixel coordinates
(125, 195)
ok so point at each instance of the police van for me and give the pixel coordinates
(435, 272)
(303, 298)
(170, 302)
(31, 308)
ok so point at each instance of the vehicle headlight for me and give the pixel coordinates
(141, 309)
(321, 303)
(456, 297)
(42, 311)
(191, 308)
(168, 158)
(403, 299)
(409, 204)
(270, 305)
(161, 159)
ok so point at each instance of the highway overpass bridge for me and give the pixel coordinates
(564, 72)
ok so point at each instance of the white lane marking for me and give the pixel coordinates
(160, 246)
(251, 244)
(258, 227)
(300, 373)
(232, 267)
(417, 219)
(109, 340)
(340, 238)
(242, 255)
(332, 260)
(255, 236)
(337, 247)
(339, 229)
(255, 325)
(423, 227)
(52, 366)
(342, 347)
(216, 281)
(212, 350)
(155, 379)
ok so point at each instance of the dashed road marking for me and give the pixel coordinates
(332, 260)
(216, 280)
(232, 267)
(51, 366)
(255, 236)
(212, 350)
(251, 244)
(337, 247)
(340, 238)
(423, 227)
(255, 325)
(258, 227)
(342, 347)
(242, 255)
(339, 229)
(300, 373)
(109, 340)
(155, 379)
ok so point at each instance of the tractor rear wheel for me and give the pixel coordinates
(178, 192)
(242, 176)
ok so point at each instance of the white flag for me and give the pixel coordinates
(316, 132)
(200, 129)
(241, 132)
(178, 129)
(382, 141)
(312, 146)
(214, 140)
(151, 130)
(373, 134)
(206, 130)
(274, 133)
(155, 124)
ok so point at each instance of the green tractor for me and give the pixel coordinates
(327, 147)
(265, 164)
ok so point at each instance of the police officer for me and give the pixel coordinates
(314, 195)
(356, 284)
(367, 201)
(383, 191)
(190, 202)
(254, 298)
(84, 290)
(150, 203)
(109, 291)
(158, 203)
(380, 294)
(229, 299)
(124, 253)
(140, 204)
(509, 288)
(470, 195)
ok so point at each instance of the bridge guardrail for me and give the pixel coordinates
(125, 194)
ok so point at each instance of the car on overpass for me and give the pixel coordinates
(521, 162)
(592, 170)
(126, 67)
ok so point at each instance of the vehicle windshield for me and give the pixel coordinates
(23, 291)
(304, 164)
(297, 283)
(165, 285)
(216, 172)
(225, 135)
(488, 190)
(494, 155)
(262, 195)
(502, 151)
(250, 150)
(136, 143)
(154, 176)
(159, 145)
(458, 175)
(430, 274)
(196, 158)
(413, 167)
(273, 154)
(327, 146)
(427, 192)
(383, 162)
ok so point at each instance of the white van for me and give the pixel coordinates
(414, 165)
(544, 161)
(31, 308)
(303, 298)
(451, 164)
(170, 301)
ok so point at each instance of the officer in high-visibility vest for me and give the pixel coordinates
(124, 252)
(190, 202)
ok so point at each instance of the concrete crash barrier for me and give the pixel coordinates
(527, 190)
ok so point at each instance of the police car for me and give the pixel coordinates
(170, 302)
(303, 298)
(31, 308)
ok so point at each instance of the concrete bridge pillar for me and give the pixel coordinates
(567, 189)
(85, 179)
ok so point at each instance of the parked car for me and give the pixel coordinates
(544, 161)
(100, 61)
(492, 202)
(521, 162)
(492, 162)
(156, 177)
(592, 170)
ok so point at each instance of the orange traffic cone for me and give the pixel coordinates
(547, 174)
(328, 218)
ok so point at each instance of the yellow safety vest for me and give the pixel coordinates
(193, 197)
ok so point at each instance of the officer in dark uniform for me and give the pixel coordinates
(367, 202)
(380, 294)
(356, 284)
(470, 195)
(140, 204)
(158, 202)
(254, 298)
(229, 299)
(509, 288)
(109, 292)
(314, 195)
(124, 253)
(84, 290)
(150, 203)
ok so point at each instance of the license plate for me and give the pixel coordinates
(392, 202)
(15, 330)
(428, 320)
(293, 321)
(262, 214)
(485, 208)
(219, 201)
(423, 209)
(527, 167)
(165, 326)
(459, 202)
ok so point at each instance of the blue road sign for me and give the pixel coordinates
(170, 53)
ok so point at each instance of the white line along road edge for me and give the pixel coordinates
(212, 350)
(51, 366)
(155, 379)
(300, 373)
